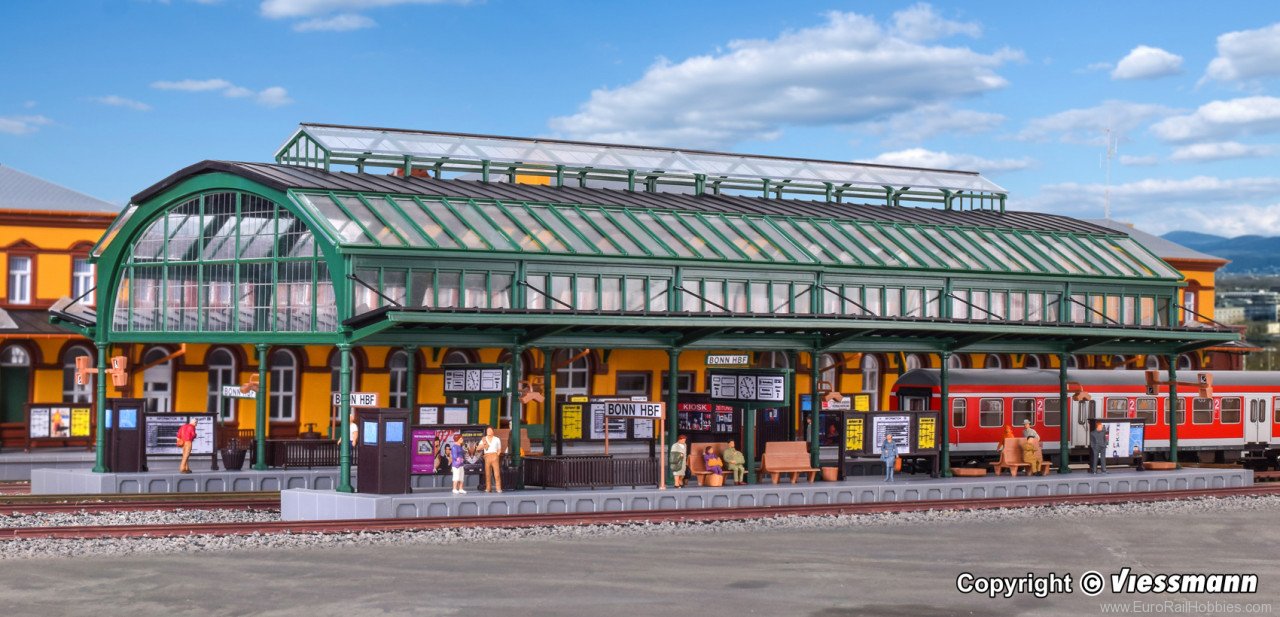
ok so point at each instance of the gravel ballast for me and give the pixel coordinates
(47, 548)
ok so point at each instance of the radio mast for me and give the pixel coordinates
(1106, 195)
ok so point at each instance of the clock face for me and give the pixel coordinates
(473, 380)
(747, 387)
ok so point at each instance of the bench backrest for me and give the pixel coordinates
(696, 464)
(787, 447)
(785, 460)
(526, 448)
(1012, 452)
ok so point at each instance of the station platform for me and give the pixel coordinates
(315, 505)
(164, 478)
(16, 465)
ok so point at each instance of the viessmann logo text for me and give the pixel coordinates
(1093, 583)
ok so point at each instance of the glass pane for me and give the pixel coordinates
(448, 285)
(758, 241)
(381, 231)
(606, 224)
(1006, 258)
(500, 290)
(535, 298)
(588, 296)
(1026, 253)
(394, 284)
(525, 240)
(469, 237)
(814, 242)
(561, 292)
(1084, 260)
(960, 304)
(760, 298)
(658, 294)
(713, 290)
(625, 222)
(348, 231)
(400, 221)
(698, 243)
(553, 223)
(471, 213)
(1107, 254)
(578, 222)
(973, 258)
(1157, 267)
(736, 296)
(920, 257)
(933, 250)
(610, 293)
(636, 297)
(785, 242)
(1063, 260)
(703, 232)
(666, 241)
(879, 245)
(422, 286)
(220, 221)
(427, 224)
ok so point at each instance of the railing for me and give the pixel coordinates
(589, 471)
(307, 453)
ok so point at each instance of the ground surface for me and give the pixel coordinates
(905, 569)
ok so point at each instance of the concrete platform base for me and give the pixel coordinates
(17, 465)
(310, 504)
(164, 478)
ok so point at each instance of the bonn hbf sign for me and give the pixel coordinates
(634, 409)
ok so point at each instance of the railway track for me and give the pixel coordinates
(606, 518)
(32, 504)
(15, 488)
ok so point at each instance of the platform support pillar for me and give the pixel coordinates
(516, 405)
(344, 420)
(1172, 407)
(749, 437)
(673, 399)
(548, 401)
(411, 380)
(260, 413)
(815, 407)
(100, 449)
(1064, 417)
(944, 413)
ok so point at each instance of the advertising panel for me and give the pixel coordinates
(429, 448)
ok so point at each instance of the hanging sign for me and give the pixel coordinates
(634, 409)
(358, 399)
(728, 360)
(236, 392)
(475, 380)
(748, 386)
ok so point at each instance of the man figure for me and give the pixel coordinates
(186, 435)
(458, 461)
(889, 454)
(492, 447)
(1027, 431)
(1097, 448)
(735, 462)
(1032, 455)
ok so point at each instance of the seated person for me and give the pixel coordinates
(735, 462)
(1031, 455)
(1137, 459)
(712, 462)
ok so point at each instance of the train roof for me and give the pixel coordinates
(926, 377)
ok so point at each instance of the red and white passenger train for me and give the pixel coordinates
(1238, 421)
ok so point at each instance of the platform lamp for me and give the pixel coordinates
(119, 372)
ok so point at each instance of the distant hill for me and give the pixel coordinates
(1248, 254)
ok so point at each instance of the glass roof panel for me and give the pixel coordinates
(468, 236)
(1006, 257)
(783, 241)
(1105, 252)
(1066, 246)
(874, 242)
(909, 251)
(537, 229)
(611, 229)
(380, 231)
(953, 241)
(933, 249)
(406, 227)
(1021, 250)
(644, 235)
(665, 237)
(427, 224)
(507, 223)
(475, 219)
(1058, 259)
(694, 240)
(579, 222)
(552, 222)
(348, 231)
(742, 238)
(1152, 263)
(815, 243)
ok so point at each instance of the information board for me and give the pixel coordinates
(571, 420)
(162, 433)
(854, 434)
(898, 425)
(926, 433)
(695, 413)
(58, 421)
(617, 426)
(475, 380)
(442, 414)
(750, 387)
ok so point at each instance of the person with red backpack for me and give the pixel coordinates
(186, 435)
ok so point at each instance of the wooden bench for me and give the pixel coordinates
(968, 472)
(1011, 458)
(698, 467)
(789, 457)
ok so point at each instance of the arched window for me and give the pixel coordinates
(222, 372)
(283, 392)
(956, 361)
(15, 381)
(398, 368)
(71, 392)
(1153, 363)
(914, 362)
(1031, 361)
(335, 370)
(573, 378)
(829, 365)
(772, 359)
(1184, 362)
(1073, 362)
(871, 379)
(993, 361)
(157, 381)
(1118, 363)
(458, 356)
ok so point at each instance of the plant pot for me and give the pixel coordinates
(830, 474)
(233, 460)
(715, 479)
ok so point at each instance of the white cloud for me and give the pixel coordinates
(119, 101)
(1097, 66)
(1138, 161)
(1147, 63)
(920, 23)
(1247, 54)
(920, 157)
(274, 96)
(22, 125)
(277, 9)
(1220, 150)
(342, 22)
(1222, 119)
(847, 70)
(927, 121)
(1089, 125)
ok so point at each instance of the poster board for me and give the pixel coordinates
(1123, 436)
(695, 413)
(429, 415)
(429, 448)
(62, 422)
(896, 424)
(161, 438)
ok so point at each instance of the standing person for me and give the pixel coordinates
(735, 462)
(677, 460)
(186, 435)
(492, 446)
(1027, 431)
(1097, 448)
(458, 461)
(889, 454)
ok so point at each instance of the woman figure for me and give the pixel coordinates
(712, 462)
(678, 459)
(889, 454)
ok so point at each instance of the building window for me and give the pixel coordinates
(283, 393)
(1118, 363)
(1231, 410)
(398, 367)
(1024, 409)
(71, 392)
(83, 274)
(993, 361)
(574, 378)
(19, 280)
(1072, 362)
(157, 381)
(955, 361)
(871, 379)
(829, 369)
(773, 359)
(990, 412)
(633, 384)
(684, 382)
(1152, 363)
(1202, 411)
(1031, 361)
(1184, 362)
(335, 372)
(914, 362)
(959, 407)
(222, 372)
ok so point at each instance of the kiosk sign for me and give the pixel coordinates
(749, 387)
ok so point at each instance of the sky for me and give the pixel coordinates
(110, 96)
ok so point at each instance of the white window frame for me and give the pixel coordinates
(568, 374)
(1028, 402)
(964, 412)
(157, 400)
(83, 281)
(20, 279)
(1222, 414)
(75, 393)
(398, 380)
(871, 379)
(279, 400)
(221, 373)
(982, 403)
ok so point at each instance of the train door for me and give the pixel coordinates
(1083, 412)
(915, 403)
(1257, 428)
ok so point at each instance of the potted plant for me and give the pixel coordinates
(233, 455)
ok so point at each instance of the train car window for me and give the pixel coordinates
(1088, 410)
(1147, 410)
(1182, 412)
(1117, 408)
(1231, 410)
(958, 416)
(1275, 403)
(1024, 409)
(1052, 412)
(990, 412)
(1202, 411)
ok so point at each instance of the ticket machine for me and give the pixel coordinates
(382, 455)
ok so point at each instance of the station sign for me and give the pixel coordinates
(752, 387)
(634, 409)
(728, 360)
(358, 399)
(236, 392)
(475, 380)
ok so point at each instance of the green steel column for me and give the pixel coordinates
(793, 361)
(944, 413)
(1173, 410)
(1064, 417)
(473, 411)
(517, 406)
(749, 445)
(100, 447)
(673, 398)
(815, 408)
(411, 377)
(260, 413)
(548, 401)
(344, 419)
